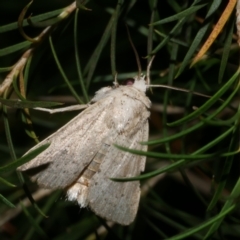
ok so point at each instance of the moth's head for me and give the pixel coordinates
(137, 82)
(141, 82)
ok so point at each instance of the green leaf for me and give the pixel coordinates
(63, 73)
(91, 65)
(26, 158)
(34, 223)
(6, 182)
(180, 15)
(40, 17)
(226, 52)
(202, 226)
(14, 48)
(5, 201)
(28, 104)
(199, 36)
(166, 155)
(227, 208)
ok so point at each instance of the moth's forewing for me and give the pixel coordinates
(72, 148)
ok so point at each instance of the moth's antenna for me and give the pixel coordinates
(170, 87)
(148, 70)
(135, 52)
(183, 90)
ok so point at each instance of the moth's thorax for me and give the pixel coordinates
(101, 93)
(140, 83)
(134, 88)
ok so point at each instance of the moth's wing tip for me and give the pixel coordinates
(116, 218)
(31, 165)
(22, 168)
(126, 222)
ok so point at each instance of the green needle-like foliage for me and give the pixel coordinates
(62, 52)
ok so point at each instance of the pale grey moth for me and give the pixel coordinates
(82, 157)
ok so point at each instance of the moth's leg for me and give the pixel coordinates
(65, 109)
(79, 190)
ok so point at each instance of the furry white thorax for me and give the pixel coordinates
(140, 83)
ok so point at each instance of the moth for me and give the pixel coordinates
(82, 156)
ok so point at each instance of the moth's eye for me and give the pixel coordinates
(129, 81)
